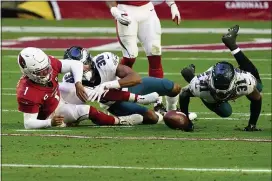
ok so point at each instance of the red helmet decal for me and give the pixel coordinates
(22, 61)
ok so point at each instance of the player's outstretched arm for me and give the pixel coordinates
(255, 109)
(128, 76)
(174, 11)
(76, 67)
(184, 100)
(31, 121)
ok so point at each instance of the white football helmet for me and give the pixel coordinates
(35, 64)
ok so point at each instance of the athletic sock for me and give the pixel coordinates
(171, 102)
(118, 95)
(155, 66)
(101, 118)
(128, 61)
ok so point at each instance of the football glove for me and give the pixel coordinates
(251, 127)
(174, 11)
(120, 16)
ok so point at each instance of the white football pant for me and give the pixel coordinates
(145, 25)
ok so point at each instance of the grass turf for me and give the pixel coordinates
(36, 149)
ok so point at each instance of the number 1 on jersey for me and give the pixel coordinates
(25, 90)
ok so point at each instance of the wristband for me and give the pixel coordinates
(235, 51)
(113, 84)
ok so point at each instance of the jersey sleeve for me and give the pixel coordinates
(68, 77)
(56, 64)
(245, 84)
(27, 106)
(106, 64)
(193, 87)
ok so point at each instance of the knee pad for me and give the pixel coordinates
(224, 110)
(152, 48)
(171, 88)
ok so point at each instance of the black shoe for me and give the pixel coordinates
(251, 127)
(160, 108)
(188, 73)
(229, 39)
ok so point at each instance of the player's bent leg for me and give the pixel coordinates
(163, 87)
(221, 109)
(128, 108)
(127, 37)
(150, 36)
(73, 114)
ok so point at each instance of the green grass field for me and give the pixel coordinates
(141, 152)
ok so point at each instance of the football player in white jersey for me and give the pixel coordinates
(222, 83)
(106, 73)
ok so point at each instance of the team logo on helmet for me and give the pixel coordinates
(22, 61)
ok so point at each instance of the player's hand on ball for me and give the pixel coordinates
(120, 16)
(57, 120)
(80, 92)
(175, 14)
(251, 127)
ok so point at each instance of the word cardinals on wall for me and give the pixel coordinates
(217, 10)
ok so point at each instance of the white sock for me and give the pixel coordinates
(171, 103)
(160, 117)
(159, 101)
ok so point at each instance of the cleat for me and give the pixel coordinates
(188, 73)
(133, 119)
(160, 108)
(148, 98)
(229, 39)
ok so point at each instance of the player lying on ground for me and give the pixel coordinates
(138, 20)
(39, 98)
(222, 83)
(106, 73)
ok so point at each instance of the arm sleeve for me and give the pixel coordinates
(31, 121)
(255, 110)
(76, 67)
(27, 106)
(184, 100)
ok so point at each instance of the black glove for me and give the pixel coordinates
(190, 127)
(251, 127)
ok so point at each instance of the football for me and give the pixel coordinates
(176, 120)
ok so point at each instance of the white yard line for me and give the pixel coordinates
(139, 137)
(200, 113)
(249, 170)
(52, 29)
(181, 58)
(13, 94)
(41, 130)
(143, 73)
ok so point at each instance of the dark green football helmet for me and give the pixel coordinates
(222, 81)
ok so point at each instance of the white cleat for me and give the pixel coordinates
(133, 119)
(192, 116)
(148, 98)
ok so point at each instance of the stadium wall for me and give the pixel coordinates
(191, 10)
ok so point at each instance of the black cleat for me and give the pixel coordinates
(188, 73)
(229, 39)
(160, 108)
